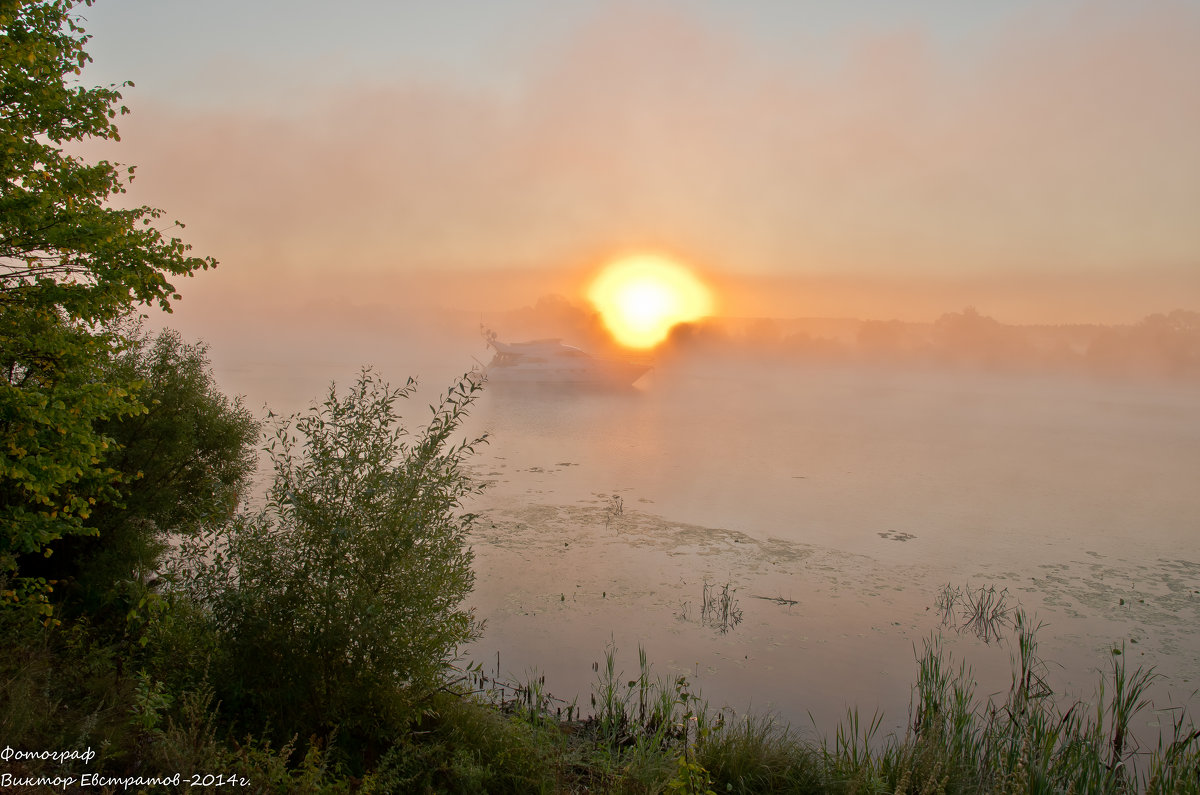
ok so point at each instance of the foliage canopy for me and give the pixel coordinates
(70, 263)
(61, 243)
(183, 463)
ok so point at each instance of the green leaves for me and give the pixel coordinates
(178, 462)
(350, 578)
(51, 471)
(60, 243)
(70, 266)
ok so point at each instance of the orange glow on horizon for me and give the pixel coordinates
(641, 297)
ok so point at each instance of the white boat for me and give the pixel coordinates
(549, 361)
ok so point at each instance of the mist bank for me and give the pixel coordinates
(1160, 346)
(431, 327)
(271, 286)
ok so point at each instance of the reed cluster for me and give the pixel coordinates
(655, 734)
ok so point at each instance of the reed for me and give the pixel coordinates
(654, 734)
(985, 612)
(1028, 740)
(718, 607)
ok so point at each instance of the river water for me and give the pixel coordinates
(831, 505)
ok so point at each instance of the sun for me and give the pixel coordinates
(641, 297)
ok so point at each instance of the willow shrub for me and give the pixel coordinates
(339, 601)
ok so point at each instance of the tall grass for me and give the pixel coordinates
(1027, 741)
(647, 734)
(643, 733)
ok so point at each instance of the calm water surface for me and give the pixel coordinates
(834, 504)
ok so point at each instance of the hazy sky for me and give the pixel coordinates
(1046, 149)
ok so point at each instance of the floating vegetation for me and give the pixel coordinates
(779, 600)
(896, 535)
(614, 509)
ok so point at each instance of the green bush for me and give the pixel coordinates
(339, 601)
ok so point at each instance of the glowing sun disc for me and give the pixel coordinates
(641, 297)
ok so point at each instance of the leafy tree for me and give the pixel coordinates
(52, 395)
(70, 263)
(339, 600)
(183, 464)
(192, 450)
(61, 244)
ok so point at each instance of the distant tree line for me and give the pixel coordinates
(1162, 345)
(1159, 346)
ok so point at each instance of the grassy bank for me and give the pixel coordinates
(647, 734)
(639, 734)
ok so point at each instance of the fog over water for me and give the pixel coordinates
(834, 496)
